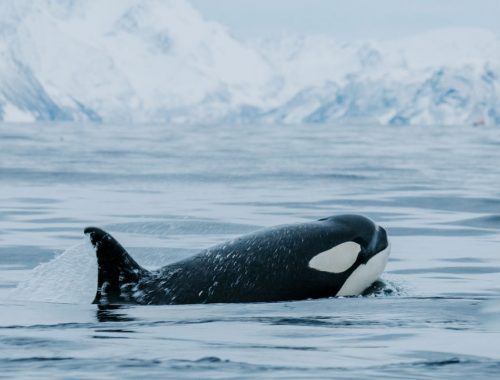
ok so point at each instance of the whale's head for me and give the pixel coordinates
(359, 252)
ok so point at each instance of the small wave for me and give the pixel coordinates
(182, 227)
(70, 277)
(491, 222)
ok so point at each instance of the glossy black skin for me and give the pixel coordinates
(267, 265)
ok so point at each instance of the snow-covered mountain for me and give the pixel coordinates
(443, 77)
(161, 61)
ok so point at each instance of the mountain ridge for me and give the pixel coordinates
(160, 61)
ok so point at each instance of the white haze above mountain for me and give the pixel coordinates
(161, 61)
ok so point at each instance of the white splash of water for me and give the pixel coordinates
(70, 277)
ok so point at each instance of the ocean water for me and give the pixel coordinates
(166, 192)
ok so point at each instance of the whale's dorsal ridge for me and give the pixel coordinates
(118, 272)
(335, 256)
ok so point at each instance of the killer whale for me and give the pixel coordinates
(335, 256)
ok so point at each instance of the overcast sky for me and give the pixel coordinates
(349, 19)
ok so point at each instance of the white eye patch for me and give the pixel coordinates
(337, 259)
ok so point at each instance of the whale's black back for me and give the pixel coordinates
(267, 265)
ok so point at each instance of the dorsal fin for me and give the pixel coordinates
(118, 272)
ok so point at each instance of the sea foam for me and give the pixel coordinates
(70, 277)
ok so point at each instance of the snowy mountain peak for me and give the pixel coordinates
(161, 61)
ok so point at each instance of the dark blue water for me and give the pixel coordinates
(166, 192)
